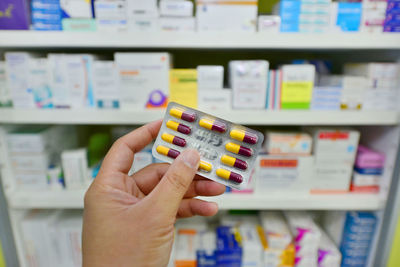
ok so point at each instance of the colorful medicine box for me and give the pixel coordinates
(368, 158)
(288, 143)
(227, 151)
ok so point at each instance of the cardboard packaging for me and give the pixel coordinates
(105, 84)
(176, 8)
(248, 80)
(183, 87)
(288, 143)
(210, 77)
(143, 79)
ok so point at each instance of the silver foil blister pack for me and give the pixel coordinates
(227, 151)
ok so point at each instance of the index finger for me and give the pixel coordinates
(120, 156)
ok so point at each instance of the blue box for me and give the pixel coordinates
(369, 171)
(206, 260)
(289, 27)
(349, 16)
(229, 251)
(391, 28)
(290, 6)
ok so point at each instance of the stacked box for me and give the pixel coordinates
(77, 15)
(305, 16)
(382, 84)
(206, 249)
(335, 152)
(352, 89)
(326, 98)
(277, 239)
(307, 236)
(227, 16)
(33, 150)
(346, 16)
(46, 15)
(392, 19)
(177, 16)
(38, 82)
(111, 15)
(368, 170)
(373, 15)
(143, 15)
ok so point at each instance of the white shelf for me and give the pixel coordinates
(74, 200)
(248, 117)
(37, 39)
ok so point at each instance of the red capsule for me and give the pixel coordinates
(237, 149)
(178, 127)
(169, 152)
(184, 115)
(228, 175)
(213, 125)
(173, 139)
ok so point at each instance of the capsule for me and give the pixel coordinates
(205, 166)
(176, 126)
(173, 139)
(169, 152)
(184, 115)
(244, 136)
(213, 125)
(234, 162)
(228, 175)
(238, 149)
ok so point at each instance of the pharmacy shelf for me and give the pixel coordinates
(248, 117)
(295, 201)
(216, 40)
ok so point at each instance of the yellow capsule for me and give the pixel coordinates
(173, 125)
(167, 137)
(163, 150)
(223, 173)
(206, 123)
(213, 125)
(205, 166)
(228, 160)
(177, 113)
(237, 134)
(232, 147)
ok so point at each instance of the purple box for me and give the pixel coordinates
(14, 15)
(392, 18)
(391, 28)
(368, 158)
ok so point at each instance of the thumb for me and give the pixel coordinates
(170, 190)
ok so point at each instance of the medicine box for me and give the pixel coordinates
(206, 249)
(368, 158)
(248, 80)
(328, 253)
(210, 77)
(105, 84)
(79, 25)
(252, 249)
(111, 15)
(5, 97)
(76, 9)
(176, 8)
(326, 98)
(276, 174)
(297, 86)
(277, 232)
(210, 100)
(143, 23)
(137, 8)
(227, 16)
(177, 24)
(38, 162)
(30, 140)
(16, 15)
(31, 180)
(288, 143)
(17, 65)
(186, 246)
(183, 87)
(38, 82)
(269, 23)
(75, 168)
(143, 79)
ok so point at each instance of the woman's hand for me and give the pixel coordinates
(129, 220)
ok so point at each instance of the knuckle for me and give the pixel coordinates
(177, 181)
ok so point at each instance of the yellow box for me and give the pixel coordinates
(183, 86)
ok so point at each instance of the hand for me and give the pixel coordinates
(129, 220)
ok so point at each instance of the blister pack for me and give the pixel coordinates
(227, 151)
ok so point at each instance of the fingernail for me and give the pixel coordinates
(191, 158)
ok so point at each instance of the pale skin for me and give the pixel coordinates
(129, 220)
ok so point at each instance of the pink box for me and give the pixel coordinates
(368, 158)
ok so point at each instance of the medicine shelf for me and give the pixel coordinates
(295, 201)
(210, 40)
(248, 117)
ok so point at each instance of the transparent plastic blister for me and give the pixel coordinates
(227, 151)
